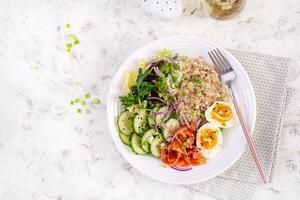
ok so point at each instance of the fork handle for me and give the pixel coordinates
(248, 136)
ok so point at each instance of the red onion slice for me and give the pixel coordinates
(170, 80)
(185, 120)
(182, 169)
(169, 113)
(158, 72)
(174, 106)
(177, 107)
(181, 120)
(172, 92)
(160, 113)
(157, 98)
(169, 139)
(169, 59)
(198, 123)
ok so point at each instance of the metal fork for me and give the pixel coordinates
(227, 75)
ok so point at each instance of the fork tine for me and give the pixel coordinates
(214, 62)
(219, 63)
(221, 60)
(225, 60)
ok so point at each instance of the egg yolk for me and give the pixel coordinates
(221, 113)
(208, 138)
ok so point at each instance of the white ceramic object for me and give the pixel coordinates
(234, 141)
(166, 9)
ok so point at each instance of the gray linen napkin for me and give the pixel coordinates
(268, 75)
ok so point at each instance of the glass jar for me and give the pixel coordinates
(223, 9)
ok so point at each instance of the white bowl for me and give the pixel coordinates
(233, 139)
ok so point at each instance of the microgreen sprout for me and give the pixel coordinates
(77, 100)
(97, 101)
(87, 95)
(85, 103)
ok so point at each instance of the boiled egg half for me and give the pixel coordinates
(221, 113)
(209, 139)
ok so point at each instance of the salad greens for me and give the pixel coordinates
(150, 108)
(159, 79)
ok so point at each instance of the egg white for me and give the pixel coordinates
(210, 153)
(230, 123)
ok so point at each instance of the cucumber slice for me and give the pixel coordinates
(125, 123)
(146, 146)
(152, 118)
(155, 146)
(135, 143)
(139, 121)
(170, 126)
(134, 108)
(151, 121)
(124, 138)
(159, 118)
(147, 139)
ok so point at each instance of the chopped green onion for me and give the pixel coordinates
(72, 102)
(97, 101)
(69, 45)
(76, 42)
(79, 110)
(202, 115)
(87, 95)
(87, 111)
(77, 100)
(218, 105)
(73, 36)
(83, 103)
(68, 25)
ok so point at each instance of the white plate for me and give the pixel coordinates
(234, 141)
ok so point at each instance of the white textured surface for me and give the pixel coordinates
(47, 151)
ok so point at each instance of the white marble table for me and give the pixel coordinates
(49, 151)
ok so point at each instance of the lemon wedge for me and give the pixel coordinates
(130, 80)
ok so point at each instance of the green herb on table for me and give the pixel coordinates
(77, 100)
(87, 95)
(96, 101)
(72, 41)
(84, 104)
(87, 111)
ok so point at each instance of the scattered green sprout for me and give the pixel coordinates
(72, 41)
(87, 95)
(85, 103)
(77, 100)
(97, 101)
